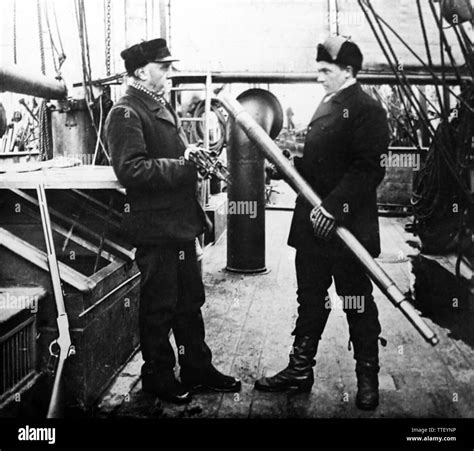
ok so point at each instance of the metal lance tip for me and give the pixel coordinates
(411, 314)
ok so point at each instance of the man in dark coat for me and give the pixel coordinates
(148, 150)
(341, 161)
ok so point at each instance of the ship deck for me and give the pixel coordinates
(249, 319)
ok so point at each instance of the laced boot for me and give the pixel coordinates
(298, 375)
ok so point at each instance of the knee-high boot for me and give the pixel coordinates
(366, 355)
(298, 375)
(367, 384)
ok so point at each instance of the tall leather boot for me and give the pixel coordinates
(367, 384)
(364, 331)
(298, 375)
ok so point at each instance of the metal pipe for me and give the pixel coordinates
(20, 81)
(271, 151)
(246, 193)
(364, 77)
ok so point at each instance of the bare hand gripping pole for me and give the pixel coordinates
(64, 339)
(266, 145)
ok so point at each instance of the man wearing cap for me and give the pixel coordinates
(341, 161)
(163, 219)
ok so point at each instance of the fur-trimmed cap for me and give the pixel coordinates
(339, 50)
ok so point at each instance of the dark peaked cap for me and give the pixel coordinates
(339, 50)
(139, 55)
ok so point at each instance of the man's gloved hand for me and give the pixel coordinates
(324, 224)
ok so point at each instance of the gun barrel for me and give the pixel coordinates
(271, 151)
(21, 81)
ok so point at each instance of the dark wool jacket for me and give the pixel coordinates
(341, 161)
(147, 149)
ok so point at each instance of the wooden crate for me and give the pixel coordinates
(102, 305)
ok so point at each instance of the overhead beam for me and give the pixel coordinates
(369, 78)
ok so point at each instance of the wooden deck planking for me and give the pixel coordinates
(406, 351)
(249, 320)
(421, 364)
(280, 310)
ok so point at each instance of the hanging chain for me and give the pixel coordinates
(14, 33)
(108, 36)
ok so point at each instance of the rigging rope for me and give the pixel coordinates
(86, 73)
(40, 36)
(58, 55)
(404, 43)
(441, 193)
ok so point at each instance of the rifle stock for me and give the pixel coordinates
(272, 152)
(55, 405)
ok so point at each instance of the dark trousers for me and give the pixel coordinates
(172, 294)
(314, 273)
